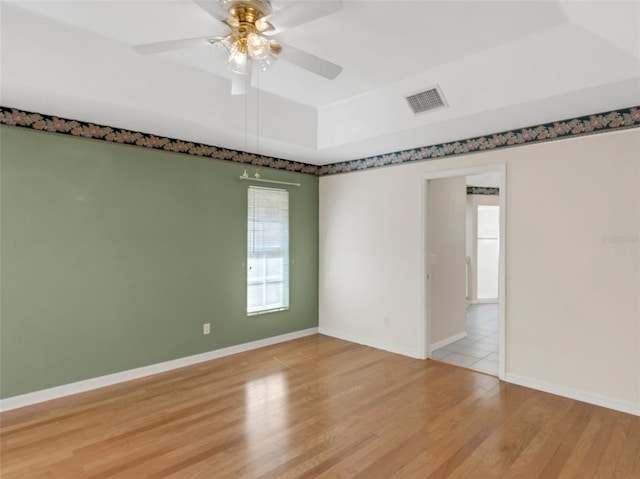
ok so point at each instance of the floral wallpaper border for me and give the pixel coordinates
(54, 124)
(483, 190)
(585, 125)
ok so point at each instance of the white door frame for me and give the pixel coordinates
(425, 290)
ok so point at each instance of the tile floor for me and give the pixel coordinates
(479, 350)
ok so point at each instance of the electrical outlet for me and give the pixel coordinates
(206, 328)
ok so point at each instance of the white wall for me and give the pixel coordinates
(447, 243)
(572, 263)
(369, 265)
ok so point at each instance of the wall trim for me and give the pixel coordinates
(558, 130)
(596, 123)
(483, 190)
(63, 126)
(354, 338)
(447, 341)
(590, 398)
(137, 373)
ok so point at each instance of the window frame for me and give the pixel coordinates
(263, 252)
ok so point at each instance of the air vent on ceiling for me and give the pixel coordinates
(427, 100)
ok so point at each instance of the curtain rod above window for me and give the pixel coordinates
(245, 176)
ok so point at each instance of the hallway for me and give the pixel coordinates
(479, 350)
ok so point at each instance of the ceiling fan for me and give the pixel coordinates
(248, 28)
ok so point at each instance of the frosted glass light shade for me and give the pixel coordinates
(230, 44)
(266, 62)
(262, 25)
(257, 46)
(238, 62)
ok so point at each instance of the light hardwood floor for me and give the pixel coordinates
(318, 407)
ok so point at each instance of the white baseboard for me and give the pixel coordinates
(590, 398)
(115, 378)
(484, 301)
(392, 348)
(446, 341)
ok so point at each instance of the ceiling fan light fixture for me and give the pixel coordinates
(265, 63)
(257, 46)
(262, 25)
(238, 62)
(230, 44)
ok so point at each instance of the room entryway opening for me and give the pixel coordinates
(464, 268)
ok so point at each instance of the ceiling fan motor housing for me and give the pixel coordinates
(245, 22)
(247, 10)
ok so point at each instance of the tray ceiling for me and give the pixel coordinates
(500, 65)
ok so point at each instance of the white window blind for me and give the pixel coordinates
(267, 250)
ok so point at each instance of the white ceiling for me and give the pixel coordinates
(501, 65)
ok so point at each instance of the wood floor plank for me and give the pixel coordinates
(317, 407)
(628, 454)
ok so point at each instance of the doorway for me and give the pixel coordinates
(464, 267)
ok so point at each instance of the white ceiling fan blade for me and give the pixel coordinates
(309, 62)
(298, 13)
(238, 84)
(213, 8)
(160, 47)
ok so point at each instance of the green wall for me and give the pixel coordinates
(114, 256)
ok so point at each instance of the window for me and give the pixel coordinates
(267, 250)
